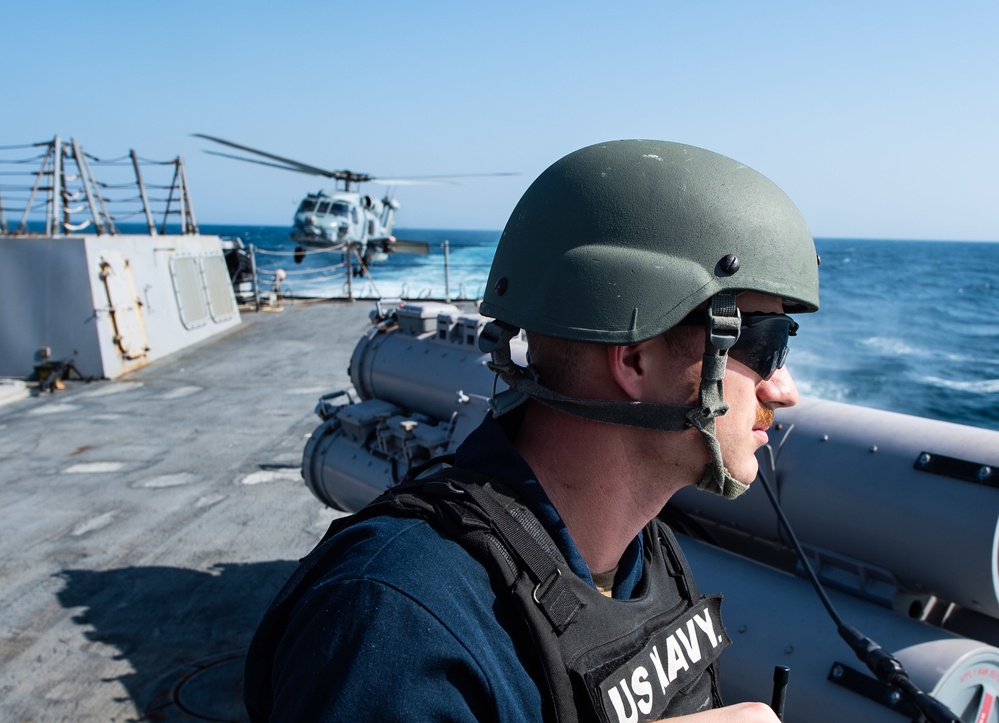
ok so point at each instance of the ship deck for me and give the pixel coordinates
(149, 521)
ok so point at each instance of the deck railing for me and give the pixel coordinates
(50, 188)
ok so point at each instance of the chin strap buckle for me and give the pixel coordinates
(722, 329)
(494, 339)
(724, 322)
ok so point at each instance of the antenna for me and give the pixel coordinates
(885, 667)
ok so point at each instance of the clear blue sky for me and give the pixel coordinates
(880, 118)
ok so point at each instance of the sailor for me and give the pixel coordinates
(533, 579)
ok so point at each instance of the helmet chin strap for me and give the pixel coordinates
(722, 330)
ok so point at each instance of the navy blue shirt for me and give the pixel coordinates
(408, 626)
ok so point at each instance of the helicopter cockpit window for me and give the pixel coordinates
(323, 207)
(340, 209)
(353, 214)
(308, 206)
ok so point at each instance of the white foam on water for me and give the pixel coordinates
(892, 345)
(979, 386)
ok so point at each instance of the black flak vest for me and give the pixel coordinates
(598, 659)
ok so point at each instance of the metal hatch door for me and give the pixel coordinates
(189, 290)
(218, 287)
(124, 305)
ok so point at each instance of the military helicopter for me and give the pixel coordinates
(344, 219)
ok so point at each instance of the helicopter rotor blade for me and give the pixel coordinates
(410, 182)
(435, 180)
(460, 175)
(254, 160)
(348, 177)
(292, 165)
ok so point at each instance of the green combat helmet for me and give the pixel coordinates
(620, 241)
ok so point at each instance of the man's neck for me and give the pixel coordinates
(591, 475)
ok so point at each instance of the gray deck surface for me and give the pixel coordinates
(147, 522)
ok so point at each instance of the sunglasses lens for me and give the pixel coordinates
(762, 344)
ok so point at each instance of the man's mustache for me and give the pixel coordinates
(764, 416)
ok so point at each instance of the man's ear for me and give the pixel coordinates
(628, 366)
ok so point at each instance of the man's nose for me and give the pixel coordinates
(779, 390)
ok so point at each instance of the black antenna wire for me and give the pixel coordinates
(885, 667)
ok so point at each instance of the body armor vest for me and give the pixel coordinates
(599, 659)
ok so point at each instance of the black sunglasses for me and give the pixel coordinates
(762, 344)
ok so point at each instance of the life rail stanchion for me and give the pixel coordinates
(447, 272)
(253, 270)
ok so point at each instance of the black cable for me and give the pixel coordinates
(826, 602)
(885, 667)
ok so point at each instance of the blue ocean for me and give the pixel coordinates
(907, 326)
